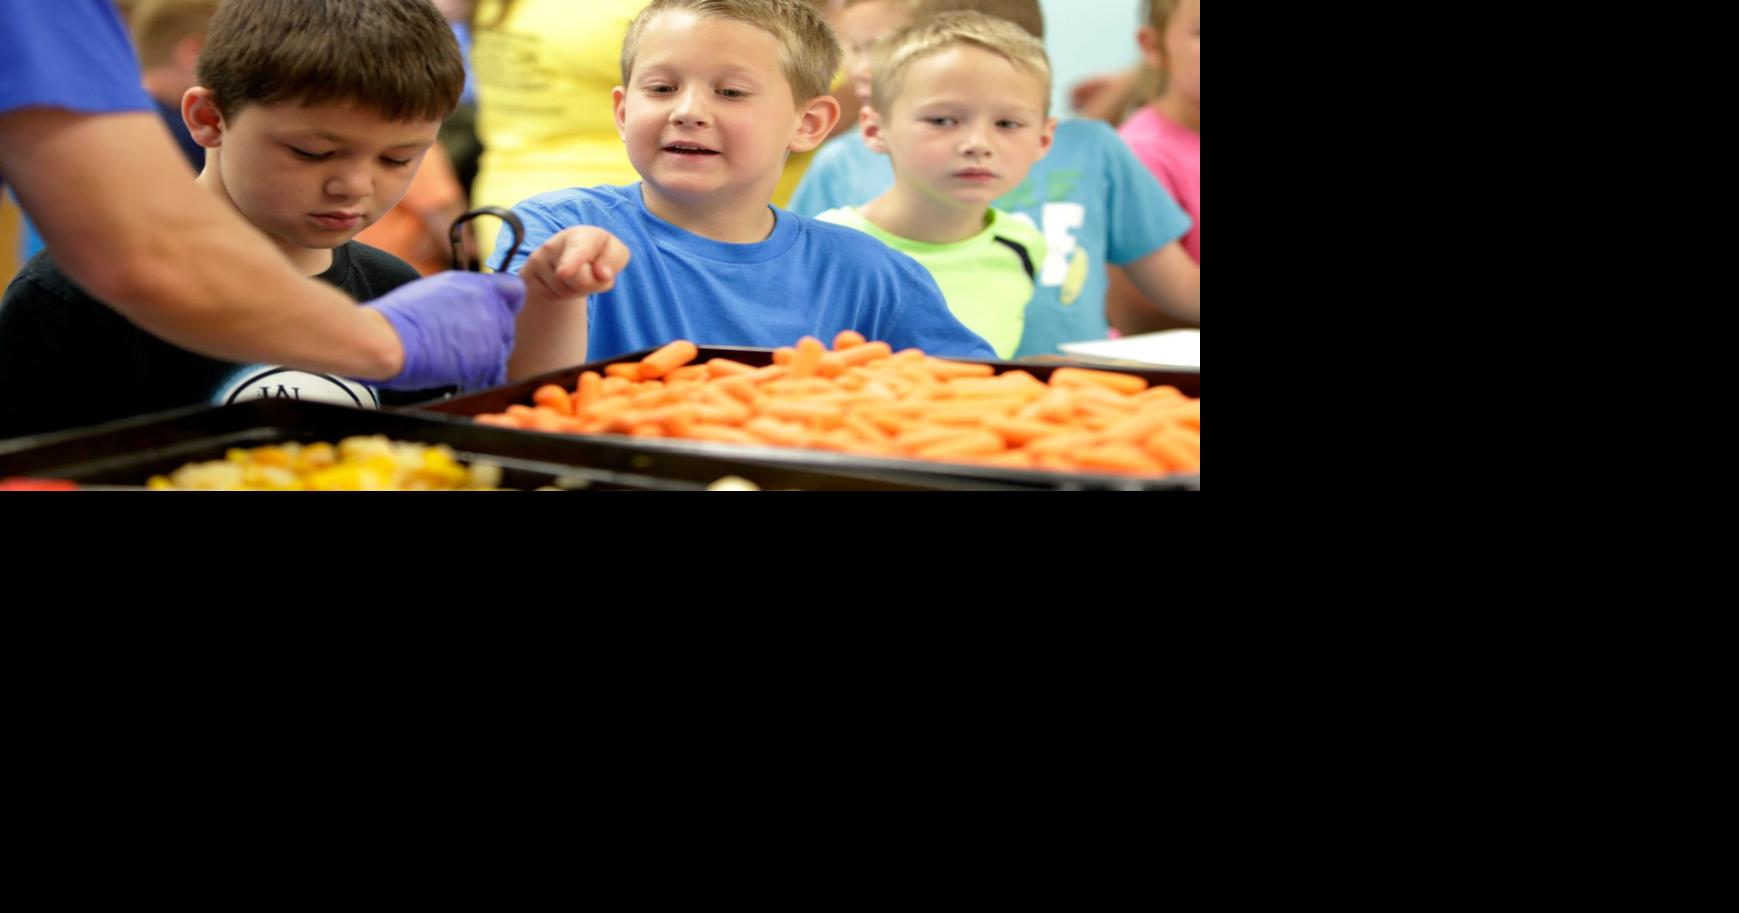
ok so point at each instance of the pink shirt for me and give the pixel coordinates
(1173, 153)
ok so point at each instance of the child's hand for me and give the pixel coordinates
(577, 262)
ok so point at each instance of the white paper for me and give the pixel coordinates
(1170, 349)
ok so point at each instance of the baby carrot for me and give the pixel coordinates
(1020, 432)
(848, 339)
(721, 433)
(1136, 427)
(972, 411)
(725, 367)
(865, 354)
(554, 397)
(970, 443)
(947, 370)
(615, 384)
(591, 387)
(808, 358)
(1127, 384)
(820, 415)
(626, 370)
(1161, 394)
(667, 359)
(691, 372)
(1162, 446)
(920, 436)
(784, 355)
(1189, 414)
(775, 431)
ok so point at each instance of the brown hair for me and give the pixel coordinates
(811, 51)
(945, 30)
(1024, 13)
(159, 25)
(396, 58)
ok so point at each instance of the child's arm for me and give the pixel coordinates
(1144, 292)
(572, 264)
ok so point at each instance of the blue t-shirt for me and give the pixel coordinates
(71, 54)
(1091, 197)
(808, 279)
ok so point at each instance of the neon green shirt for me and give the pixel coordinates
(987, 279)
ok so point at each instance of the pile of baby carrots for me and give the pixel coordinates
(864, 398)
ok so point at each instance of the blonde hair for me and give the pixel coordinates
(896, 55)
(159, 25)
(810, 51)
(1024, 13)
(1159, 12)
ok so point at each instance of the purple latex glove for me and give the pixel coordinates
(457, 328)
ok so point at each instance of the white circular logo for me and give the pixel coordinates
(266, 382)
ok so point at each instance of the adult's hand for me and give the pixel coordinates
(456, 328)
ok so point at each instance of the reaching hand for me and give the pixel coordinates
(575, 263)
(456, 328)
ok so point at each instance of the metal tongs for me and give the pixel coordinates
(460, 261)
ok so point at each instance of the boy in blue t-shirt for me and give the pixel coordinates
(1093, 200)
(716, 95)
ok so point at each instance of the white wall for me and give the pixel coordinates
(1085, 37)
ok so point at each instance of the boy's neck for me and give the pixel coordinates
(746, 223)
(1180, 110)
(310, 261)
(911, 215)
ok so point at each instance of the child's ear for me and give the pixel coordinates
(1047, 138)
(204, 119)
(869, 123)
(814, 122)
(1152, 48)
(616, 96)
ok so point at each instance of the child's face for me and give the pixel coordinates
(312, 176)
(966, 127)
(1178, 53)
(860, 27)
(707, 113)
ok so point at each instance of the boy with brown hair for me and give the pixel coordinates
(314, 115)
(716, 94)
(961, 107)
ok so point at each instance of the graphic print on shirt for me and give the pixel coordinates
(1067, 266)
(272, 382)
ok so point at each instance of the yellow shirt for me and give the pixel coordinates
(544, 115)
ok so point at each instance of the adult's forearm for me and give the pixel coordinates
(118, 208)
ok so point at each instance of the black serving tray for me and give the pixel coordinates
(130, 451)
(916, 472)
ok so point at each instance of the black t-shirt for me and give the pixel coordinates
(67, 361)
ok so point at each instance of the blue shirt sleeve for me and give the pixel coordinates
(71, 54)
(923, 320)
(1142, 216)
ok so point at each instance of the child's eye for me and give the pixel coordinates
(395, 162)
(660, 90)
(1009, 124)
(940, 121)
(733, 93)
(310, 156)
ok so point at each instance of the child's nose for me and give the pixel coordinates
(975, 143)
(351, 183)
(689, 111)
